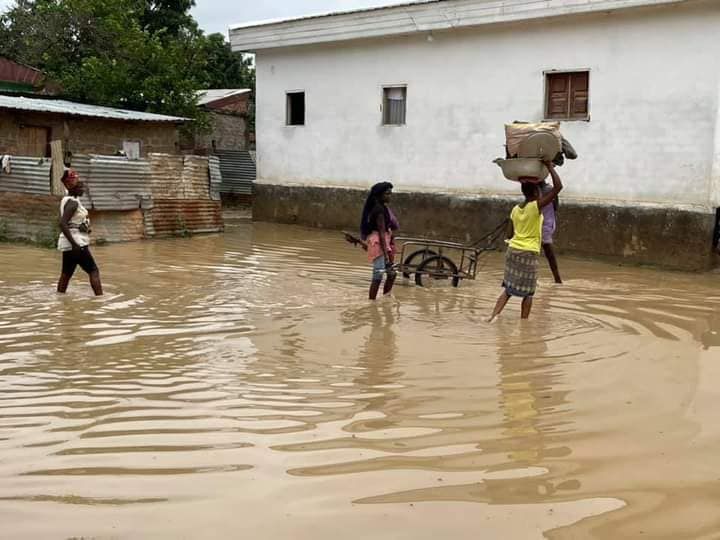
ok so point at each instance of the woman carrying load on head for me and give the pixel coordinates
(523, 253)
(377, 228)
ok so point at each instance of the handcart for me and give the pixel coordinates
(432, 262)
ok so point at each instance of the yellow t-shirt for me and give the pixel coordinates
(527, 223)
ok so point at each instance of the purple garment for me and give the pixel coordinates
(549, 222)
(394, 224)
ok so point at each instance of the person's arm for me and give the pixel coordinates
(557, 186)
(68, 212)
(382, 230)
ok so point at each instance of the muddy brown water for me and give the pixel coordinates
(240, 386)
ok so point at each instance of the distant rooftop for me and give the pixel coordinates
(209, 96)
(60, 106)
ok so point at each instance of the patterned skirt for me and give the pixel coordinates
(520, 272)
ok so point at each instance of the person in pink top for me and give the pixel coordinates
(377, 227)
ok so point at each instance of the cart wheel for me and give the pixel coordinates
(421, 253)
(437, 268)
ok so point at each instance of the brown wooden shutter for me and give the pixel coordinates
(34, 141)
(558, 97)
(579, 89)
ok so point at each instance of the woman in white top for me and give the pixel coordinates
(74, 241)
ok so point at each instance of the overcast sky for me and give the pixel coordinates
(218, 15)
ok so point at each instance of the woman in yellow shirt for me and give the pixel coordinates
(523, 253)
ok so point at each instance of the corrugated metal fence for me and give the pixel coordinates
(27, 175)
(238, 172)
(184, 189)
(117, 183)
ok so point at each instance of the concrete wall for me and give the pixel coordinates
(90, 135)
(673, 238)
(653, 104)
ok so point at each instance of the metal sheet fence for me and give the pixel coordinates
(27, 175)
(177, 194)
(166, 173)
(238, 172)
(117, 183)
(215, 177)
(196, 178)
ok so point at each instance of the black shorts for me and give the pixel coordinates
(83, 258)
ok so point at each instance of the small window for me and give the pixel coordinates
(295, 109)
(567, 95)
(394, 105)
(131, 149)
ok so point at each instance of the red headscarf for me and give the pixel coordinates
(71, 179)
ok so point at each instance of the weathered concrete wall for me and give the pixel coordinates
(229, 132)
(117, 226)
(90, 135)
(653, 115)
(29, 217)
(676, 239)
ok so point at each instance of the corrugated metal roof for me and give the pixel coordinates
(28, 175)
(386, 5)
(208, 96)
(60, 106)
(19, 73)
(215, 177)
(238, 171)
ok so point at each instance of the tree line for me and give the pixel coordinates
(145, 55)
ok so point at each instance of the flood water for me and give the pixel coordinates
(240, 386)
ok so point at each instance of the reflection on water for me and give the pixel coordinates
(244, 376)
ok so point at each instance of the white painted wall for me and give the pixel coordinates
(653, 91)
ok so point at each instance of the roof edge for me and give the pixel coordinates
(414, 18)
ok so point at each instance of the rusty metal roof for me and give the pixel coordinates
(28, 175)
(15, 72)
(60, 106)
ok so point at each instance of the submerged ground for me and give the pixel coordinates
(240, 384)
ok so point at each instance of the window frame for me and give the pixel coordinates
(383, 88)
(546, 101)
(139, 145)
(288, 108)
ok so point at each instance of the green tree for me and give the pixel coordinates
(171, 17)
(136, 54)
(225, 68)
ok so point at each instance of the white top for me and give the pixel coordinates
(79, 217)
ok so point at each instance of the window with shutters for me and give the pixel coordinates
(567, 95)
(394, 105)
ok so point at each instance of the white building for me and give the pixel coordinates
(418, 94)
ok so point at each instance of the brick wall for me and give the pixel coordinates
(90, 135)
(229, 131)
(29, 217)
